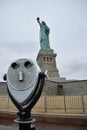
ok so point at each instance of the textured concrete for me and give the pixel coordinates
(3, 88)
(47, 122)
(62, 119)
(44, 126)
(75, 87)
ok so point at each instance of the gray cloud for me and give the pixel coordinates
(19, 33)
(76, 69)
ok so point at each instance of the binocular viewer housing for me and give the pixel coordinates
(24, 84)
(22, 78)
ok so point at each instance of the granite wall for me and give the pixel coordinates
(75, 87)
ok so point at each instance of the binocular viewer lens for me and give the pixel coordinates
(27, 64)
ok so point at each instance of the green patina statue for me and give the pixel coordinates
(44, 35)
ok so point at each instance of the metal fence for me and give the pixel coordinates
(51, 104)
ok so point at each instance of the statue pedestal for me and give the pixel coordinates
(46, 60)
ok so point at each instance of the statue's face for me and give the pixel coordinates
(43, 23)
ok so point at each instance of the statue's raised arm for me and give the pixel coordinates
(38, 20)
(44, 35)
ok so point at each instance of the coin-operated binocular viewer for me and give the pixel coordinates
(24, 84)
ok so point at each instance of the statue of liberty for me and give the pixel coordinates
(44, 35)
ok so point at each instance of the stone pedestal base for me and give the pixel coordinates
(46, 60)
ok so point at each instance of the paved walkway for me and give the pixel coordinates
(44, 126)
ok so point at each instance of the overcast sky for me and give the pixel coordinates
(67, 20)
